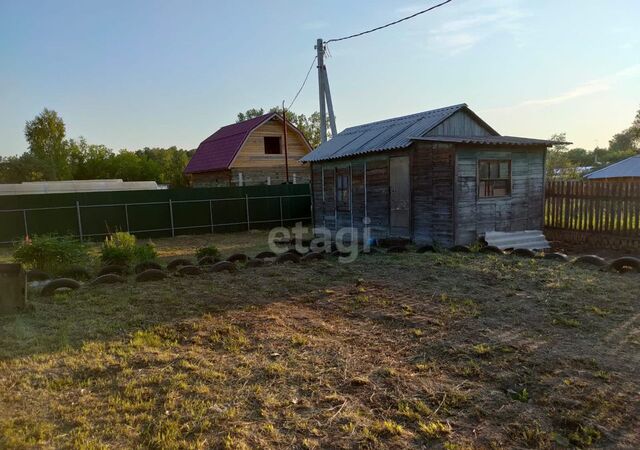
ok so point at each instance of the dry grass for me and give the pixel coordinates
(392, 351)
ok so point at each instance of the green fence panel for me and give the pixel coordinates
(149, 214)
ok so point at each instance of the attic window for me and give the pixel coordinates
(494, 178)
(272, 145)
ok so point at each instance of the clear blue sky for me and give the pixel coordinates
(130, 74)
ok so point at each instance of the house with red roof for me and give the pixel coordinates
(250, 153)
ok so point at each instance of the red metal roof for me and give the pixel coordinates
(218, 150)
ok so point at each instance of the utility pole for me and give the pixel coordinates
(324, 94)
(323, 111)
(286, 154)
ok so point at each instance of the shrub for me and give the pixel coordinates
(50, 253)
(209, 250)
(121, 248)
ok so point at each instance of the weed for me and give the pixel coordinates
(603, 375)
(298, 340)
(481, 349)
(521, 396)
(209, 250)
(584, 436)
(51, 253)
(387, 428)
(434, 429)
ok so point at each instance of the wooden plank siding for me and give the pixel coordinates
(432, 203)
(252, 154)
(599, 213)
(445, 208)
(522, 210)
(460, 124)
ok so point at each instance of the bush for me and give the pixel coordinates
(210, 250)
(121, 248)
(51, 253)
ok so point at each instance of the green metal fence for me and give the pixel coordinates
(158, 213)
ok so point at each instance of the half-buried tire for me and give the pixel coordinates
(241, 257)
(625, 264)
(312, 256)
(223, 266)
(189, 270)
(146, 266)
(266, 254)
(207, 261)
(524, 253)
(175, 264)
(255, 263)
(151, 275)
(556, 257)
(108, 278)
(59, 283)
(491, 249)
(590, 260)
(287, 257)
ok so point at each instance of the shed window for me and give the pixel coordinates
(494, 178)
(272, 145)
(342, 189)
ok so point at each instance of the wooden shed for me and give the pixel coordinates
(442, 176)
(250, 153)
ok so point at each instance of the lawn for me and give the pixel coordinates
(441, 350)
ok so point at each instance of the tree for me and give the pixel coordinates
(308, 125)
(45, 135)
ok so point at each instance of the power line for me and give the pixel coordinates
(389, 24)
(303, 83)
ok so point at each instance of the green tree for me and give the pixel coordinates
(45, 135)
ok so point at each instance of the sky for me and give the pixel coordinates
(133, 74)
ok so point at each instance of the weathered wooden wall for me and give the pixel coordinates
(433, 171)
(460, 124)
(522, 210)
(372, 202)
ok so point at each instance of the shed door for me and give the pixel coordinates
(400, 196)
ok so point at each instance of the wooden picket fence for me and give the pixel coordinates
(605, 214)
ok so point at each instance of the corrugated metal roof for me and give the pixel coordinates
(218, 150)
(489, 140)
(629, 167)
(383, 135)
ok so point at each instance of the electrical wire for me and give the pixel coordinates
(303, 83)
(389, 24)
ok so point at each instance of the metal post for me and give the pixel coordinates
(79, 220)
(173, 230)
(211, 215)
(126, 216)
(323, 112)
(332, 117)
(24, 217)
(286, 152)
(246, 198)
(281, 216)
